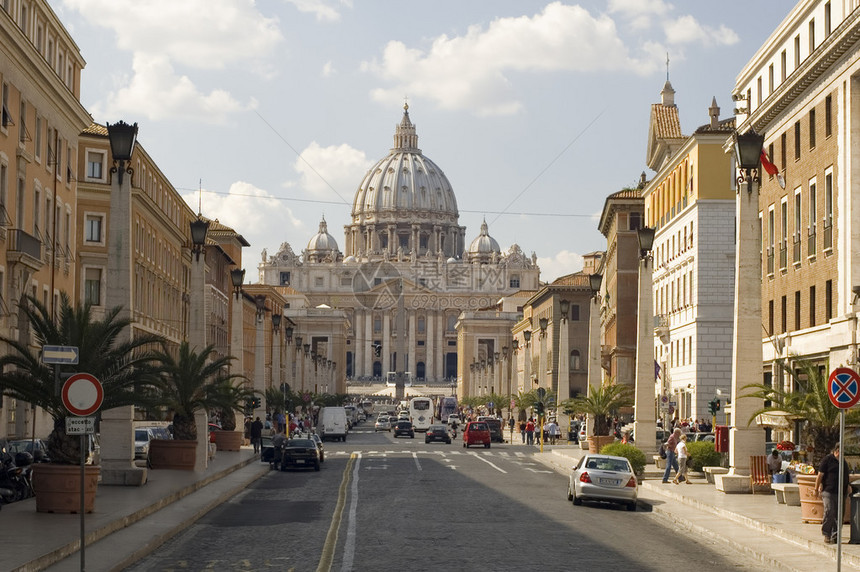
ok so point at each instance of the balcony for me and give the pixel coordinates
(24, 248)
(661, 327)
(795, 251)
(828, 237)
(783, 256)
(810, 243)
(770, 261)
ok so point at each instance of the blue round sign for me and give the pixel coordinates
(843, 387)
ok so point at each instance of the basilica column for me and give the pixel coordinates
(430, 346)
(386, 343)
(369, 353)
(411, 362)
(360, 342)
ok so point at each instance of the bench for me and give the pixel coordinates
(759, 474)
(711, 471)
(787, 493)
(660, 462)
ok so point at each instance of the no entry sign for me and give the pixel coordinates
(843, 387)
(82, 394)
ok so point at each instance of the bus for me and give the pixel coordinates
(421, 413)
(367, 407)
(447, 406)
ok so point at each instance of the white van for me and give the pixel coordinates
(332, 423)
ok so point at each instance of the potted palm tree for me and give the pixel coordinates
(231, 397)
(119, 366)
(187, 382)
(601, 402)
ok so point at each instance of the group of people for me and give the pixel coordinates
(254, 428)
(676, 453)
(527, 431)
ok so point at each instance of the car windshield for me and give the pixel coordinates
(21, 446)
(141, 435)
(605, 464)
(478, 427)
(300, 443)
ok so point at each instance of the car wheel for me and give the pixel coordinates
(569, 494)
(317, 466)
(464, 445)
(486, 445)
(631, 507)
(576, 500)
(412, 436)
(343, 438)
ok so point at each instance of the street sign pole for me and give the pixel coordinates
(840, 502)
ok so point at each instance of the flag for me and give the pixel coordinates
(656, 370)
(771, 168)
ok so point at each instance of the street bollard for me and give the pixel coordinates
(855, 513)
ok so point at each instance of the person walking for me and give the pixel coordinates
(530, 432)
(681, 450)
(827, 485)
(256, 434)
(523, 430)
(553, 431)
(671, 458)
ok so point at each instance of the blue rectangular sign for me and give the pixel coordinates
(60, 354)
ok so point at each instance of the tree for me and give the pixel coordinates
(806, 399)
(601, 401)
(231, 397)
(189, 382)
(121, 367)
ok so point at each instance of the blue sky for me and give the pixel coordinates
(535, 111)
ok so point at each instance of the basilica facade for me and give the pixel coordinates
(405, 275)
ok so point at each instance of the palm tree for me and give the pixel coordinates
(807, 400)
(190, 382)
(121, 367)
(601, 402)
(231, 397)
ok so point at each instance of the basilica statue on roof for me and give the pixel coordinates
(403, 248)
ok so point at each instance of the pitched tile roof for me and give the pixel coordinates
(667, 121)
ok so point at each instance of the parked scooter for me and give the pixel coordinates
(15, 476)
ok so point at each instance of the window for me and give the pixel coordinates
(812, 128)
(22, 117)
(770, 79)
(574, 312)
(797, 140)
(797, 51)
(828, 300)
(92, 286)
(797, 213)
(770, 317)
(828, 115)
(635, 221)
(784, 320)
(812, 35)
(285, 279)
(95, 165)
(318, 281)
(828, 209)
(826, 19)
(7, 117)
(515, 281)
(422, 325)
(782, 66)
(93, 228)
(758, 91)
(4, 189)
(797, 310)
(575, 360)
(38, 135)
(811, 306)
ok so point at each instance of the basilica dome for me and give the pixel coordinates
(404, 183)
(322, 245)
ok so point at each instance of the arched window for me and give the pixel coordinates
(575, 364)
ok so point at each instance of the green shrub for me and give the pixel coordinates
(630, 452)
(703, 455)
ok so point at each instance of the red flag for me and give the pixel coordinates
(771, 169)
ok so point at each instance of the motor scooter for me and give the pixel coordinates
(14, 478)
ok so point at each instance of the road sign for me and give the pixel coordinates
(80, 425)
(82, 394)
(843, 387)
(60, 354)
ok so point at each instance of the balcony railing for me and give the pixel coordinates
(828, 237)
(770, 261)
(810, 244)
(783, 256)
(795, 254)
(25, 243)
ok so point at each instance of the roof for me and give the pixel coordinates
(724, 126)
(575, 279)
(95, 129)
(667, 122)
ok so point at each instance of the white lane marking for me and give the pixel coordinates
(503, 454)
(477, 456)
(518, 454)
(417, 464)
(383, 467)
(349, 543)
(452, 467)
(537, 471)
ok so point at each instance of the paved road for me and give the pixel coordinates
(381, 504)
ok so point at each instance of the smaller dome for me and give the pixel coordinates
(350, 259)
(452, 260)
(484, 245)
(322, 245)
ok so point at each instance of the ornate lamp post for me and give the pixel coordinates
(260, 354)
(300, 374)
(563, 392)
(540, 379)
(527, 363)
(197, 325)
(277, 377)
(497, 373)
(594, 370)
(645, 420)
(746, 439)
(117, 430)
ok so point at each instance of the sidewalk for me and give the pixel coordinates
(757, 525)
(169, 502)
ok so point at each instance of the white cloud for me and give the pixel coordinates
(332, 171)
(639, 7)
(253, 212)
(158, 93)
(560, 264)
(686, 30)
(323, 9)
(471, 71)
(328, 69)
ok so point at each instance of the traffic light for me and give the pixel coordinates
(712, 407)
(716, 405)
(256, 402)
(539, 409)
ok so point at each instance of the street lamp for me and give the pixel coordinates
(527, 360)
(199, 229)
(645, 416)
(543, 323)
(595, 372)
(237, 277)
(563, 389)
(122, 138)
(260, 354)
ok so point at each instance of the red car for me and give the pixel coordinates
(476, 433)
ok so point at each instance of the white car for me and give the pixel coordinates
(403, 415)
(382, 424)
(603, 478)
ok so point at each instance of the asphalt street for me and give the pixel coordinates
(380, 503)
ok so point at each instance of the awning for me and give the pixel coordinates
(775, 419)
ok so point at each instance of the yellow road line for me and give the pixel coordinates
(331, 538)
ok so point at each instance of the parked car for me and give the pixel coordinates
(437, 433)
(142, 437)
(495, 426)
(300, 453)
(382, 424)
(476, 433)
(36, 447)
(603, 478)
(404, 428)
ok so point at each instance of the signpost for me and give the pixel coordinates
(82, 396)
(843, 389)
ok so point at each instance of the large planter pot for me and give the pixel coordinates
(811, 505)
(58, 487)
(596, 443)
(228, 440)
(172, 454)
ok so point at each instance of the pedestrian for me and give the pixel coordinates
(671, 459)
(774, 463)
(282, 421)
(553, 431)
(530, 432)
(256, 434)
(827, 485)
(523, 430)
(681, 450)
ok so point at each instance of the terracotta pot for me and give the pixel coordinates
(172, 454)
(811, 505)
(228, 440)
(58, 487)
(596, 443)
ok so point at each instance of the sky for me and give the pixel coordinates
(270, 113)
